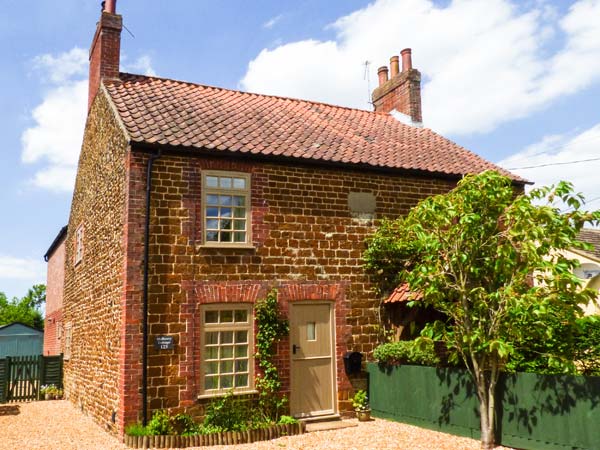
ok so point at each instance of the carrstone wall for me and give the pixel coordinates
(94, 287)
(307, 243)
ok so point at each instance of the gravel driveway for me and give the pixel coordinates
(58, 425)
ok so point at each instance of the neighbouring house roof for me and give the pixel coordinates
(591, 236)
(62, 234)
(196, 117)
(403, 294)
(19, 324)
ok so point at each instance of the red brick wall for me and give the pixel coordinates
(54, 299)
(105, 52)
(402, 93)
(306, 244)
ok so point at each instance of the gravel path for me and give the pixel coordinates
(56, 425)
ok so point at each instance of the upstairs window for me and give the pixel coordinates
(79, 244)
(226, 208)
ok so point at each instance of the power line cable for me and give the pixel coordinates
(554, 164)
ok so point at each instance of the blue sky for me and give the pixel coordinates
(516, 82)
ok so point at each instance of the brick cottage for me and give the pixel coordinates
(243, 193)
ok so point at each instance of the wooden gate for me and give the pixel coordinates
(21, 377)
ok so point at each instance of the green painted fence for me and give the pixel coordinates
(21, 377)
(545, 412)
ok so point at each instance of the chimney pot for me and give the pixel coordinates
(394, 66)
(382, 72)
(402, 92)
(406, 59)
(110, 6)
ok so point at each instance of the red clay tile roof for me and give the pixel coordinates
(403, 294)
(175, 113)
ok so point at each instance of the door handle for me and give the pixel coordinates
(294, 348)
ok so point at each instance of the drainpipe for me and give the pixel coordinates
(151, 160)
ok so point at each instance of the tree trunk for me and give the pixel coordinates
(486, 390)
(487, 424)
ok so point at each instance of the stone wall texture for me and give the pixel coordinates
(55, 282)
(307, 243)
(94, 286)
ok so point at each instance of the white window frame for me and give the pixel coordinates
(79, 233)
(230, 326)
(209, 190)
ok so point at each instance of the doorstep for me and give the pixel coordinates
(330, 424)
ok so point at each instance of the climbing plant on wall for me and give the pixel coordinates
(271, 328)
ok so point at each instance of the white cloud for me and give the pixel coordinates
(63, 67)
(489, 60)
(271, 22)
(562, 149)
(55, 139)
(53, 142)
(12, 268)
(142, 65)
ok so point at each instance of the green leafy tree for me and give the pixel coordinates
(490, 260)
(25, 310)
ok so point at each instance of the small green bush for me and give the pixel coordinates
(229, 413)
(360, 401)
(136, 429)
(587, 345)
(184, 425)
(407, 352)
(160, 424)
(287, 420)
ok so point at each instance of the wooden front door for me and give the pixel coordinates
(312, 360)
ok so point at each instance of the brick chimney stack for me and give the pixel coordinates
(106, 48)
(402, 92)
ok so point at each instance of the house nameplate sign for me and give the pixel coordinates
(164, 342)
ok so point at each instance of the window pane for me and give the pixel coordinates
(241, 365)
(226, 381)
(227, 352)
(212, 353)
(239, 236)
(225, 224)
(241, 337)
(225, 236)
(240, 224)
(225, 183)
(239, 183)
(212, 199)
(225, 200)
(212, 224)
(211, 317)
(239, 200)
(241, 380)
(240, 212)
(211, 368)
(212, 338)
(227, 316)
(212, 181)
(311, 331)
(227, 366)
(226, 336)
(212, 212)
(241, 351)
(210, 383)
(241, 315)
(212, 236)
(225, 212)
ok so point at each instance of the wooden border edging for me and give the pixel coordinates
(224, 438)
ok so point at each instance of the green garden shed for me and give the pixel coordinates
(18, 339)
